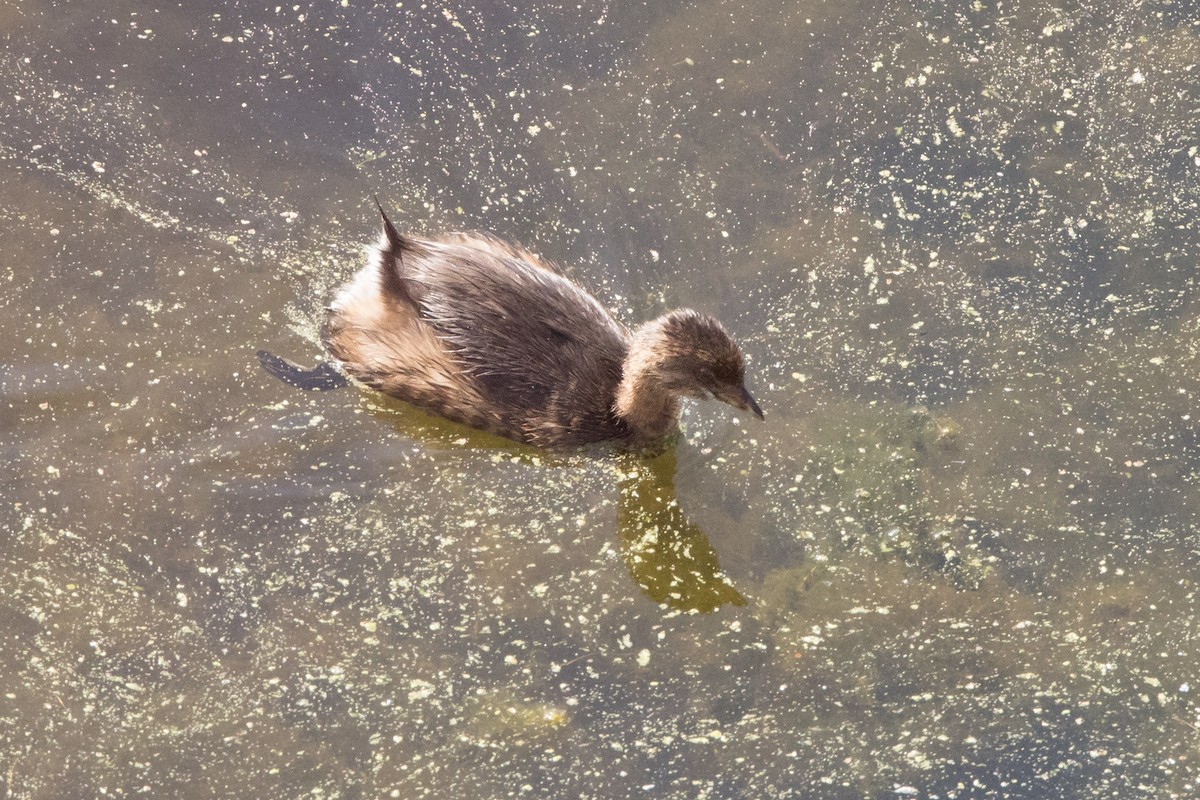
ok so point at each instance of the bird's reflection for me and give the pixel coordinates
(667, 554)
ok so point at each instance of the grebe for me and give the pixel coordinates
(482, 332)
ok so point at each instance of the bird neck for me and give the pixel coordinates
(646, 406)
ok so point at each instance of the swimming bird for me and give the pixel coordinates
(483, 332)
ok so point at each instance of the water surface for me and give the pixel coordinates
(958, 242)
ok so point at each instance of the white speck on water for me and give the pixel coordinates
(419, 689)
(643, 657)
(453, 20)
(1137, 77)
(181, 599)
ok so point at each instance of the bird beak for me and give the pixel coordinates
(745, 402)
(750, 404)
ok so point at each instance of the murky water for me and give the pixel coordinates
(959, 242)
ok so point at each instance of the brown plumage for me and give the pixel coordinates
(480, 331)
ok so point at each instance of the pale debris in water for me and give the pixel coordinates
(419, 689)
(453, 20)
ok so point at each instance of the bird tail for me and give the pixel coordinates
(390, 257)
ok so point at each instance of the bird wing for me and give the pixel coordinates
(536, 344)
